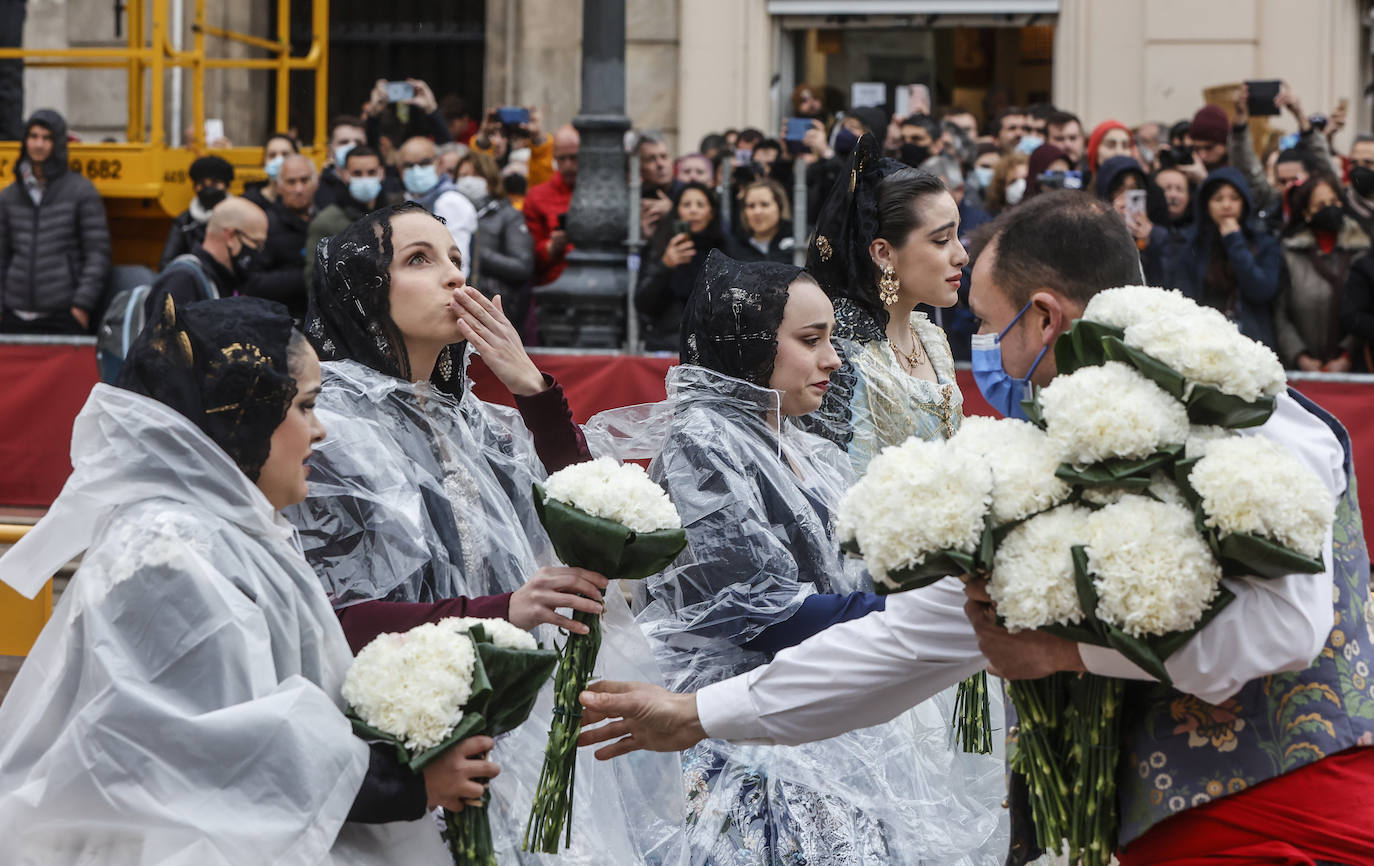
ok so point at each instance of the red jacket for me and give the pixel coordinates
(543, 205)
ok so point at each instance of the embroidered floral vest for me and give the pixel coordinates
(1186, 752)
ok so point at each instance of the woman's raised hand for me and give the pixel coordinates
(680, 251)
(483, 323)
(538, 600)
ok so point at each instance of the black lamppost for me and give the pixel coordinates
(585, 307)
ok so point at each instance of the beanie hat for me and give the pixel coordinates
(1095, 140)
(1210, 125)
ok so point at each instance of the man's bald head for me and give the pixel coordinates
(417, 150)
(239, 213)
(234, 223)
(566, 143)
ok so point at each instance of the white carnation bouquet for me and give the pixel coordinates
(426, 689)
(613, 519)
(1110, 519)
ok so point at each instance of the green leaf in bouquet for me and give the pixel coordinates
(1082, 345)
(1147, 365)
(850, 547)
(516, 677)
(1207, 405)
(585, 541)
(937, 565)
(1138, 651)
(1182, 469)
(1242, 553)
(1034, 414)
(1076, 633)
(1131, 474)
(1086, 589)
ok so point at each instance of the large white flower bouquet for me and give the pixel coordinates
(1114, 526)
(425, 689)
(613, 519)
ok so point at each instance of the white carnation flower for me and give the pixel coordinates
(1154, 572)
(1249, 484)
(622, 492)
(498, 631)
(1023, 461)
(915, 499)
(1207, 348)
(1124, 306)
(1098, 413)
(1200, 436)
(1032, 572)
(413, 685)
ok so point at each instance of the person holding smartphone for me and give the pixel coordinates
(676, 254)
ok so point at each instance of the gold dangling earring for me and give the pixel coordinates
(889, 286)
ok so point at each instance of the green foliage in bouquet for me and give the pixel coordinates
(1243, 553)
(614, 550)
(1090, 344)
(505, 684)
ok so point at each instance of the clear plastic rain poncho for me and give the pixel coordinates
(182, 706)
(757, 499)
(422, 492)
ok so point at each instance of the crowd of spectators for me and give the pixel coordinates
(1272, 230)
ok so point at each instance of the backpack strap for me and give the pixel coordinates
(189, 261)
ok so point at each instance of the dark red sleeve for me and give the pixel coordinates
(364, 621)
(558, 441)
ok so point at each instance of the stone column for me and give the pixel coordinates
(585, 307)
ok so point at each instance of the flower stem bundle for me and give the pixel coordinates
(611, 519)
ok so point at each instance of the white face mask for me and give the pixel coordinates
(474, 187)
(1016, 190)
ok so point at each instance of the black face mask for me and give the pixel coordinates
(246, 263)
(210, 196)
(1362, 179)
(1328, 219)
(915, 154)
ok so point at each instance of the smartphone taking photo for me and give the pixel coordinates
(399, 91)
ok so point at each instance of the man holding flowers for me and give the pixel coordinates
(1255, 750)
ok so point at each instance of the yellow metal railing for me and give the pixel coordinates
(21, 619)
(155, 56)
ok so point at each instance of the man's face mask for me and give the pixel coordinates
(1003, 392)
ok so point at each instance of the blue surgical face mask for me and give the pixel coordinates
(1003, 392)
(984, 175)
(1029, 143)
(420, 179)
(273, 167)
(365, 189)
(341, 153)
(845, 140)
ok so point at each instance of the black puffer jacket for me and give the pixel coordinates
(281, 270)
(504, 262)
(54, 255)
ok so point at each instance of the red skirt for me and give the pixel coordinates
(1322, 813)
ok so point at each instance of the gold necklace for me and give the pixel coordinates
(913, 358)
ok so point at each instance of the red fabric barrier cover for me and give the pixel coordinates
(41, 391)
(43, 387)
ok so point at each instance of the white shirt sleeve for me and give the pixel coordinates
(867, 671)
(1273, 625)
(852, 675)
(461, 218)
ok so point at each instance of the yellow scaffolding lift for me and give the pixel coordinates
(144, 182)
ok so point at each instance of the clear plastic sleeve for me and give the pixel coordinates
(756, 499)
(182, 706)
(418, 497)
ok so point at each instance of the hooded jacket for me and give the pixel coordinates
(1253, 258)
(1307, 312)
(54, 255)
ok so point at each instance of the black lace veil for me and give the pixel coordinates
(223, 365)
(730, 324)
(847, 223)
(349, 317)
